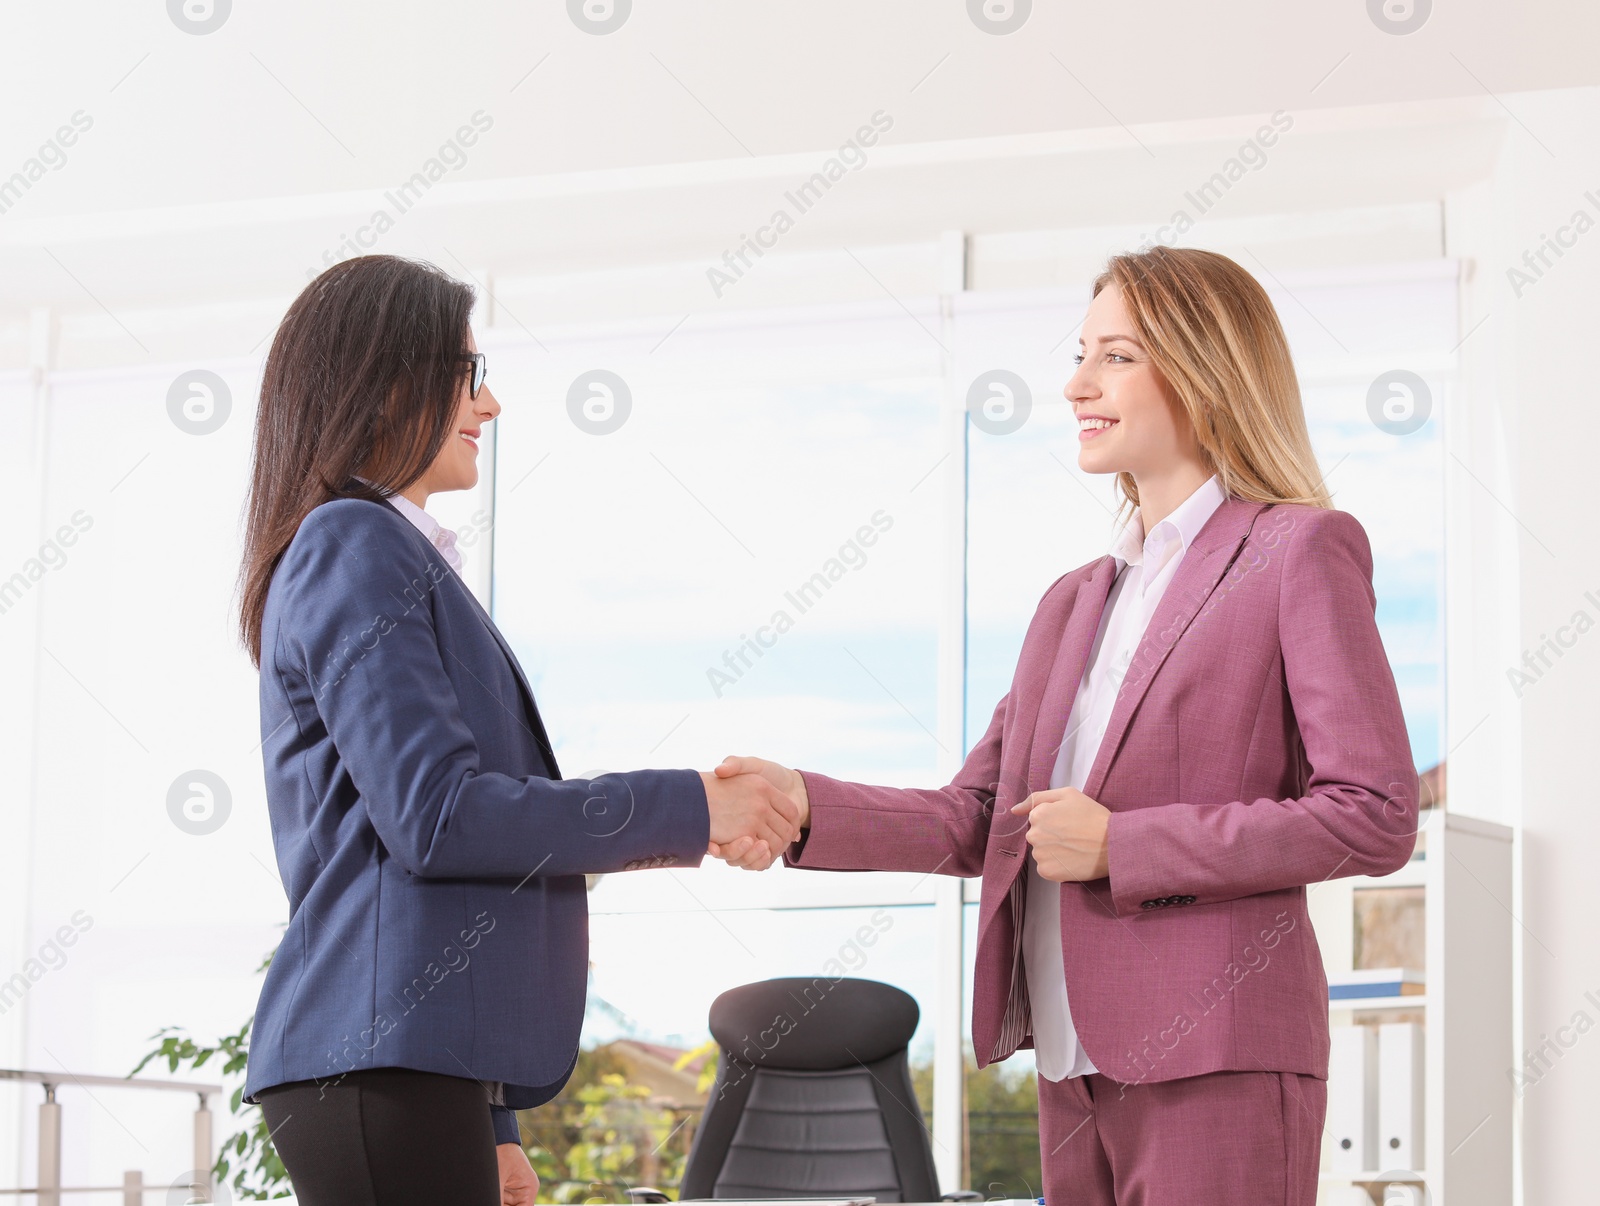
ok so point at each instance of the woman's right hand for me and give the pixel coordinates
(752, 821)
(790, 782)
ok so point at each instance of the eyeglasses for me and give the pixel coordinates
(480, 369)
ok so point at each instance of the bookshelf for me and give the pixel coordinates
(1462, 869)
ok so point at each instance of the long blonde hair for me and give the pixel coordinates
(1213, 335)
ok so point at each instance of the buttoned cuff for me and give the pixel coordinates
(795, 851)
(506, 1129)
(1134, 884)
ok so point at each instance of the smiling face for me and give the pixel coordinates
(456, 466)
(1128, 420)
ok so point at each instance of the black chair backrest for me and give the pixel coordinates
(813, 1096)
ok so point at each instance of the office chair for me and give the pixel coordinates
(813, 1096)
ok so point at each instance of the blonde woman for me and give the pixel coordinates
(1201, 724)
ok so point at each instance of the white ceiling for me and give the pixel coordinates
(223, 165)
(296, 97)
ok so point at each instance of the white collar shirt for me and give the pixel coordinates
(1146, 564)
(441, 537)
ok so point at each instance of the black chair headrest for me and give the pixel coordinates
(813, 1024)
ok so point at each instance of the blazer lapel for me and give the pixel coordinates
(1072, 656)
(530, 708)
(1049, 695)
(1203, 565)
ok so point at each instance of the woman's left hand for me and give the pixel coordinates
(1067, 831)
(519, 1184)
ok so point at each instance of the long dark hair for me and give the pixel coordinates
(363, 377)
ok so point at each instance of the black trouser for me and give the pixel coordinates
(386, 1137)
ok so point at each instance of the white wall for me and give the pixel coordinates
(1535, 430)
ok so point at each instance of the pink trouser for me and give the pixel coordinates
(1208, 1140)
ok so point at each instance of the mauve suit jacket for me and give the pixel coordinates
(1256, 746)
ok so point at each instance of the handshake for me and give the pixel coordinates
(757, 809)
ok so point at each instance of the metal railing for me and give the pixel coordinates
(49, 1189)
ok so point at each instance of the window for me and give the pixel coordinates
(749, 560)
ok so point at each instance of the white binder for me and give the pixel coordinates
(1400, 1067)
(1352, 1122)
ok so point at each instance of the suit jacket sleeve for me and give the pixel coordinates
(1359, 813)
(358, 624)
(855, 827)
(506, 1129)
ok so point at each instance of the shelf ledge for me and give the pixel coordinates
(1419, 1001)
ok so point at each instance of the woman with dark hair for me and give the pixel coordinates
(432, 977)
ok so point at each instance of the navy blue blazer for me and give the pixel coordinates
(432, 854)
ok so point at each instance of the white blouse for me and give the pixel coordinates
(442, 538)
(1146, 565)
